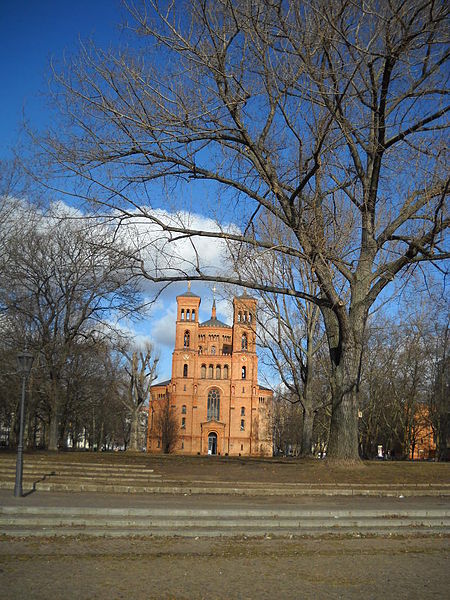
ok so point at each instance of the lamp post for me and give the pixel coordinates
(24, 364)
(152, 375)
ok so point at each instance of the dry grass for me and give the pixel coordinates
(275, 470)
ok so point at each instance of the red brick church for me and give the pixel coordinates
(213, 400)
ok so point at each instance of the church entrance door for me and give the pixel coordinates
(212, 443)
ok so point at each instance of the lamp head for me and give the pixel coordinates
(25, 362)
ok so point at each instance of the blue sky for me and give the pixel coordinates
(33, 32)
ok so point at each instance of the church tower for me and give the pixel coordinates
(213, 398)
(244, 338)
(186, 336)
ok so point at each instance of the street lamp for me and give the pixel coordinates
(24, 364)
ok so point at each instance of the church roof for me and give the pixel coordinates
(214, 323)
(162, 383)
(245, 296)
(188, 293)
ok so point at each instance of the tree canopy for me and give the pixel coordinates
(325, 120)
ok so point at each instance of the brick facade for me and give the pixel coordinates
(213, 397)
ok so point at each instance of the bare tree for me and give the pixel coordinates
(328, 116)
(63, 289)
(141, 373)
(439, 407)
(166, 426)
(439, 398)
(287, 425)
(401, 399)
(289, 331)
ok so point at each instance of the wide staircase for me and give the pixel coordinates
(62, 473)
(44, 473)
(65, 495)
(21, 521)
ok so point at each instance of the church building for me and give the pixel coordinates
(213, 403)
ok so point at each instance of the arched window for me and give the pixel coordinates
(225, 372)
(244, 343)
(239, 317)
(182, 314)
(242, 411)
(245, 316)
(250, 317)
(242, 424)
(193, 314)
(188, 315)
(218, 372)
(183, 409)
(213, 405)
(200, 349)
(203, 372)
(187, 339)
(185, 370)
(211, 371)
(244, 372)
(213, 349)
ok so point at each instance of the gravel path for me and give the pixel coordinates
(109, 569)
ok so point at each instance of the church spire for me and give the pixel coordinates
(213, 310)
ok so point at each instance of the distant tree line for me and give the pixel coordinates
(63, 288)
(65, 283)
(404, 393)
(319, 129)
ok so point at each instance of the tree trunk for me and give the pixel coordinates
(307, 432)
(53, 433)
(134, 430)
(441, 398)
(343, 441)
(345, 343)
(442, 435)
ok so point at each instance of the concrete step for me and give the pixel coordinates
(74, 463)
(82, 476)
(166, 487)
(13, 509)
(236, 523)
(215, 533)
(18, 521)
(48, 474)
(76, 468)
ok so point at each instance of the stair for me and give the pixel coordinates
(21, 521)
(60, 474)
(47, 475)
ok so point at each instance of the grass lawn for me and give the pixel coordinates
(273, 470)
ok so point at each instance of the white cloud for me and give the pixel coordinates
(166, 253)
(163, 327)
(163, 256)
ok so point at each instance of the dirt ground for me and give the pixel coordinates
(220, 568)
(274, 470)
